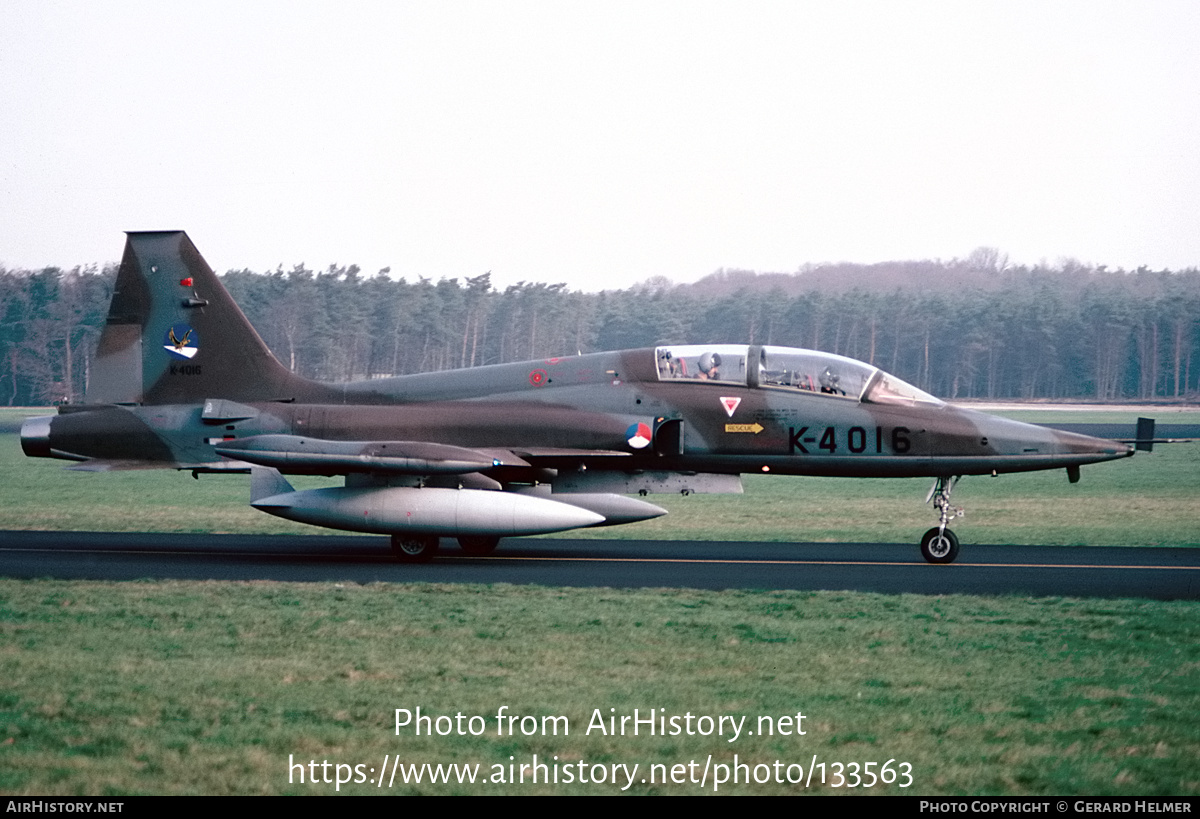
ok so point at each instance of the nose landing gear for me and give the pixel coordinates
(939, 544)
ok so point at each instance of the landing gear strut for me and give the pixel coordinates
(414, 548)
(939, 544)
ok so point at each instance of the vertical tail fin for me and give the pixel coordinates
(174, 334)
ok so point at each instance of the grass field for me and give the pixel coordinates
(210, 688)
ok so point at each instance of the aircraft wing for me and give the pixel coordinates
(109, 465)
(547, 454)
(297, 454)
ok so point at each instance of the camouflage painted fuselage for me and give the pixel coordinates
(182, 380)
(584, 406)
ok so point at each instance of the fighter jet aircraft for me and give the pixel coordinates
(183, 381)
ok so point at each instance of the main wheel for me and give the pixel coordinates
(414, 548)
(478, 545)
(939, 546)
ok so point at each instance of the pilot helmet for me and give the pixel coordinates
(829, 379)
(709, 361)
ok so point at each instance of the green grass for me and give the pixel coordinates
(209, 687)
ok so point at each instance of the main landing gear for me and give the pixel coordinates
(416, 548)
(939, 544)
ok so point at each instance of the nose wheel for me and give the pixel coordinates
(939, 544)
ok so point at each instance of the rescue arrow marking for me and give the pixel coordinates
(755, 428)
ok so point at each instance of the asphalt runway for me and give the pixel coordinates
(1154, 573)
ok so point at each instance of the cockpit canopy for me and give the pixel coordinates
(787, 368)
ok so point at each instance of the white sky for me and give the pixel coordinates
(601, 143)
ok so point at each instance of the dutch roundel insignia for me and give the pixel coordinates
(638, 436)
(181, 341)
(730, 404)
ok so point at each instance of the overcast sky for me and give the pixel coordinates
(601, 143)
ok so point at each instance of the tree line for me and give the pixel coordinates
(965, 328)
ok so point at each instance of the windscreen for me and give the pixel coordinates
(888, 389)
(812, 371)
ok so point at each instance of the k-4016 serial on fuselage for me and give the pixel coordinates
(182, 380)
